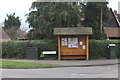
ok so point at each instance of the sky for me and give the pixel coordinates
(21, 8)
(114, 4)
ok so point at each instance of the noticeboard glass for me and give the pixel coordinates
(64, 41)
(72, 42)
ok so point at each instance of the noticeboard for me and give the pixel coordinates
(64, 41)
(72, 42)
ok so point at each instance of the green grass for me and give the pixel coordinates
(23, 64)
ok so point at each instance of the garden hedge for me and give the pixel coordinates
(17, 49)
(98, 49)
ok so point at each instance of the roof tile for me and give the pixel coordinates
(112, 32)
(73, 31)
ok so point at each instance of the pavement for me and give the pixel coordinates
(71, 63)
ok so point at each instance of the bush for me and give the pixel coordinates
(98, 49)
(17, 49)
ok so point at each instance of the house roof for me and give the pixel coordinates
(73, 31)
(3, 35)
(113, 20)
(112, 32)
(23, 37)
(116, 17)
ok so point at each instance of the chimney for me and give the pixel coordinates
(115, 11)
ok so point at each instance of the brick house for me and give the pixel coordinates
(112, 26)
(3, 35)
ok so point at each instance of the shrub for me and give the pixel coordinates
(98, 49)
(17, 49)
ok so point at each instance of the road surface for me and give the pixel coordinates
(108, 71)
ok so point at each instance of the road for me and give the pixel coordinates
(109, 71)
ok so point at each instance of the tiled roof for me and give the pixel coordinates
(73, 31)
(113, 20)
(112, 32)
(3, 35)
(22, 37)
(118, 15)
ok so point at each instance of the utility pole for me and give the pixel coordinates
(101, 17)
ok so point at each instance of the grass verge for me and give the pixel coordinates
(23, 64)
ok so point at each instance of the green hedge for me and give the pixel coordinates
(16, 49)
(98, 49)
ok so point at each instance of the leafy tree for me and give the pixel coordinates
(92, 14)
(49, 15)
(34, 34)
(11, 25)
(12, 21)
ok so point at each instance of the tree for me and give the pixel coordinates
(12, 21)
(11, 25)
(49, 15)
(34, 34)
(92, 14)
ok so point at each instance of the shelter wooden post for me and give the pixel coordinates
(59, 56)
(87, 48)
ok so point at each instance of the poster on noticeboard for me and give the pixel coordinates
(64, 41)
(72, 42)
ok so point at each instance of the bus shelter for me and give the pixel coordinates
(73, 42)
